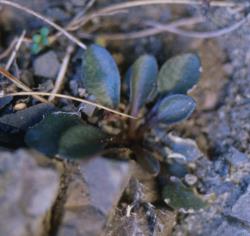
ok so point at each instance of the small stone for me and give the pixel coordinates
(236, 158)
(230, 230)
(87, 109)
(47, 65)
(82, 92)
(20, 106)
(29, 185)
(92, 196)
(191, 179)
(241, 209)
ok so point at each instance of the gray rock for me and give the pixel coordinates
(241, 209)
(230, 230)
(47, 65)
(27, 193)
(236, 158)
(92, 196)
(108, 177)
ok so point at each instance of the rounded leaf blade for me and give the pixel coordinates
(177, 195)
(45, 135)
(143, 76)
(179, 74)
(175, 108)
(81, 141)
(101, 77)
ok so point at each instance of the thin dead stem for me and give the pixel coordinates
(54, 25)
(19, 84)
(125, 5)
(152, 31)
(73, 99)
(61, 75)
(173, 27)
(201, 35)
(14, 53)
(9, 49)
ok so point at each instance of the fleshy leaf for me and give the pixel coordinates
(101, 76)
(45, 135)
(142, 81)
(179, 74)
(81, 141)
(175, 108)
(177, 195)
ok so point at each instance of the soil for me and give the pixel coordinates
(128, 202)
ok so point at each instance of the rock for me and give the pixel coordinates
(87, 109)
(108, 177)
(47, 65)
(241, 209)
(230, 230)
(20, 106)
(191, 179)
(92, 196)
(236, 158)
(28, 189)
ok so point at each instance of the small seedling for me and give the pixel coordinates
(40, 40)
(158, 99)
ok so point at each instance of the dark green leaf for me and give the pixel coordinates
(28, 117)
(142, 81)
(45, 135)
(101, 76)
(4, 101)
(179, 74)
(81, 141)
(175, 108)
(178, 196)
(148, 161)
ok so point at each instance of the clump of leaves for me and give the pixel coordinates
(157, 98)
(40, 40)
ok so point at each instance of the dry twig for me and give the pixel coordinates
(61, 75)
(73, 99)
(152, 31)
(125, 5)
(9, 49)
(201, 35)
(54, 25)
(13, 55)
(19, 84)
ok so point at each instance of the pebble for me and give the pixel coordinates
(20, 106)
(191, 179)
(47, 65)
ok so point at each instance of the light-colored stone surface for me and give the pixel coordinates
(241, 209)
(92, 194)
(47, 65)
(230, 230)
(27, 193)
